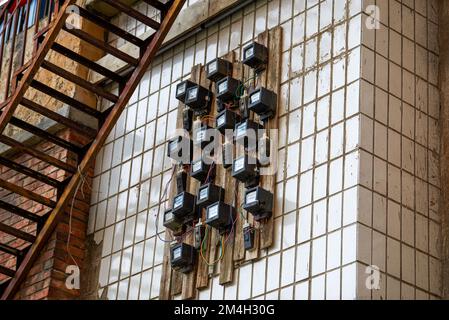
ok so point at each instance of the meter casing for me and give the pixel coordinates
(198, 98)
(218, 69)
(220, 216)
(263, 102)
(244, 169)
(245, 130)
(182, 88)
(182, 257)
(226, 89)
(177, 145)
(208, 194)
(255, 56)
(226, 120)
(184, 207)
(199, 170)
(259, 202)
(171, 222)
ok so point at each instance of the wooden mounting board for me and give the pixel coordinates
(173, 283)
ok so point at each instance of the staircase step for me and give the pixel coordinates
(59, 118)
(17, 233)
(133, 13)
(37, 154)
(27, 193)
(7, 272)
(20, 212)
(30, 172)
(65, 99)
(78, 80)
(87, 63)
(157, 4)
(101, 45)
(110, 27)
(44, 135)
(10, 250)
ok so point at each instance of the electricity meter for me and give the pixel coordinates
(226, 120)
(208, 194)
(218, 69)
(255, 56)
(226, 89)
(199, 170)
(259, 202)
(182, 88)
(184, 207)
(263, 102)
(198, 98)
(244, 169)
(182, 257)
(220, 216)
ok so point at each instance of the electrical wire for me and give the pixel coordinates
(156, 220)
(222, 250)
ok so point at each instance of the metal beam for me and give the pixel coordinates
(96, 146)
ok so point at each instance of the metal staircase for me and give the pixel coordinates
(23, 79)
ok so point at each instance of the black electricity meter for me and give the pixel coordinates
(171, 222)
(227, 89)
(259, 202)
(218, 69)
(184, 207)
(226, 120)
(208, 194)
(201, 169)
(255, 56)
(198, 98)
(203, 135)
(246, 133)
(182, 88)
(220, 216)
(180, 149)
(182, 257)
(244, 169)
(263, 102)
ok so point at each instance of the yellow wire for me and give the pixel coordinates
(221, 254)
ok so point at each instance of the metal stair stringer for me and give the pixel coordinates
(111, 116)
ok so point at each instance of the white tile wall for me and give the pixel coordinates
(357, 182)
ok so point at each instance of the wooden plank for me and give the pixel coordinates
(95, 147)
(189, 280)
(272, 83)
(230, 186)
(202, 280)
(171, 280)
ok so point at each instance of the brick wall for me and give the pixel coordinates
(46, 279)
